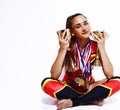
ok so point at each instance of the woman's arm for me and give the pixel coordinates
(64, 40)
(105, 61)
(106, 64)
(58, 64)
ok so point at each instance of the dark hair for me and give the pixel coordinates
(68, 61)
(70, 18)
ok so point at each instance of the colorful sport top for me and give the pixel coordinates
(84, 59)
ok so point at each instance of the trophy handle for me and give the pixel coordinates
(97, 61)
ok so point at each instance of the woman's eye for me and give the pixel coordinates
(86, 23)
(77, 26)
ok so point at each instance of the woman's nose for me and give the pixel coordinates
(84, 28)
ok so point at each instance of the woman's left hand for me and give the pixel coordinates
(100, 39)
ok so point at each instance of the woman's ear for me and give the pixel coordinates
(72, 34)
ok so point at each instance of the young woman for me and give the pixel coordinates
(71, 80)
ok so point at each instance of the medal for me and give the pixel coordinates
(80, 81)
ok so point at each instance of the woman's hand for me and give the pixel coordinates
(100, 38)
(64, 38)
(105, 61)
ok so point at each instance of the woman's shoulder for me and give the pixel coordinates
(93, 46)
(93, 42)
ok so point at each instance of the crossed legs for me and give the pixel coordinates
(67, 97)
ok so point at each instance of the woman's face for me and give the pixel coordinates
(80, 27)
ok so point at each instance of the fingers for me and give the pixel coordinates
(95, 35)
(99, 35)
(106, 35)
(64, 38)
(64, 35)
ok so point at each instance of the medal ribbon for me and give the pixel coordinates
(83, 58)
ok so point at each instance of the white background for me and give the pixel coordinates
(29, 44)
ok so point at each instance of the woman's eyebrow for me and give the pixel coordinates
(78, 24)
(86, 21)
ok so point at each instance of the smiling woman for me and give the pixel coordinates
(29, 44)
(76, 56)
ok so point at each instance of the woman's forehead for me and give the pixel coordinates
(78, 19)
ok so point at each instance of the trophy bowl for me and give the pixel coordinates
(97, 34)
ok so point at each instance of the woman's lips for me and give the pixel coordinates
(86, 32)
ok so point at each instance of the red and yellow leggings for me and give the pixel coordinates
(63, 91)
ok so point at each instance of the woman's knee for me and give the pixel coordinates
(44, 80)
(114, 77)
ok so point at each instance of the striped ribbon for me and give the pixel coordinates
(83, 58)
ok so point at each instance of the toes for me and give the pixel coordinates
(64, 103)
(99, 103)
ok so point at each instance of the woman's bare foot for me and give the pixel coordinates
(64, 103)
(99, 103)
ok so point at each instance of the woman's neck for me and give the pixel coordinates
(83, 42)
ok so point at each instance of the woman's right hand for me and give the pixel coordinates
(64, 38)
